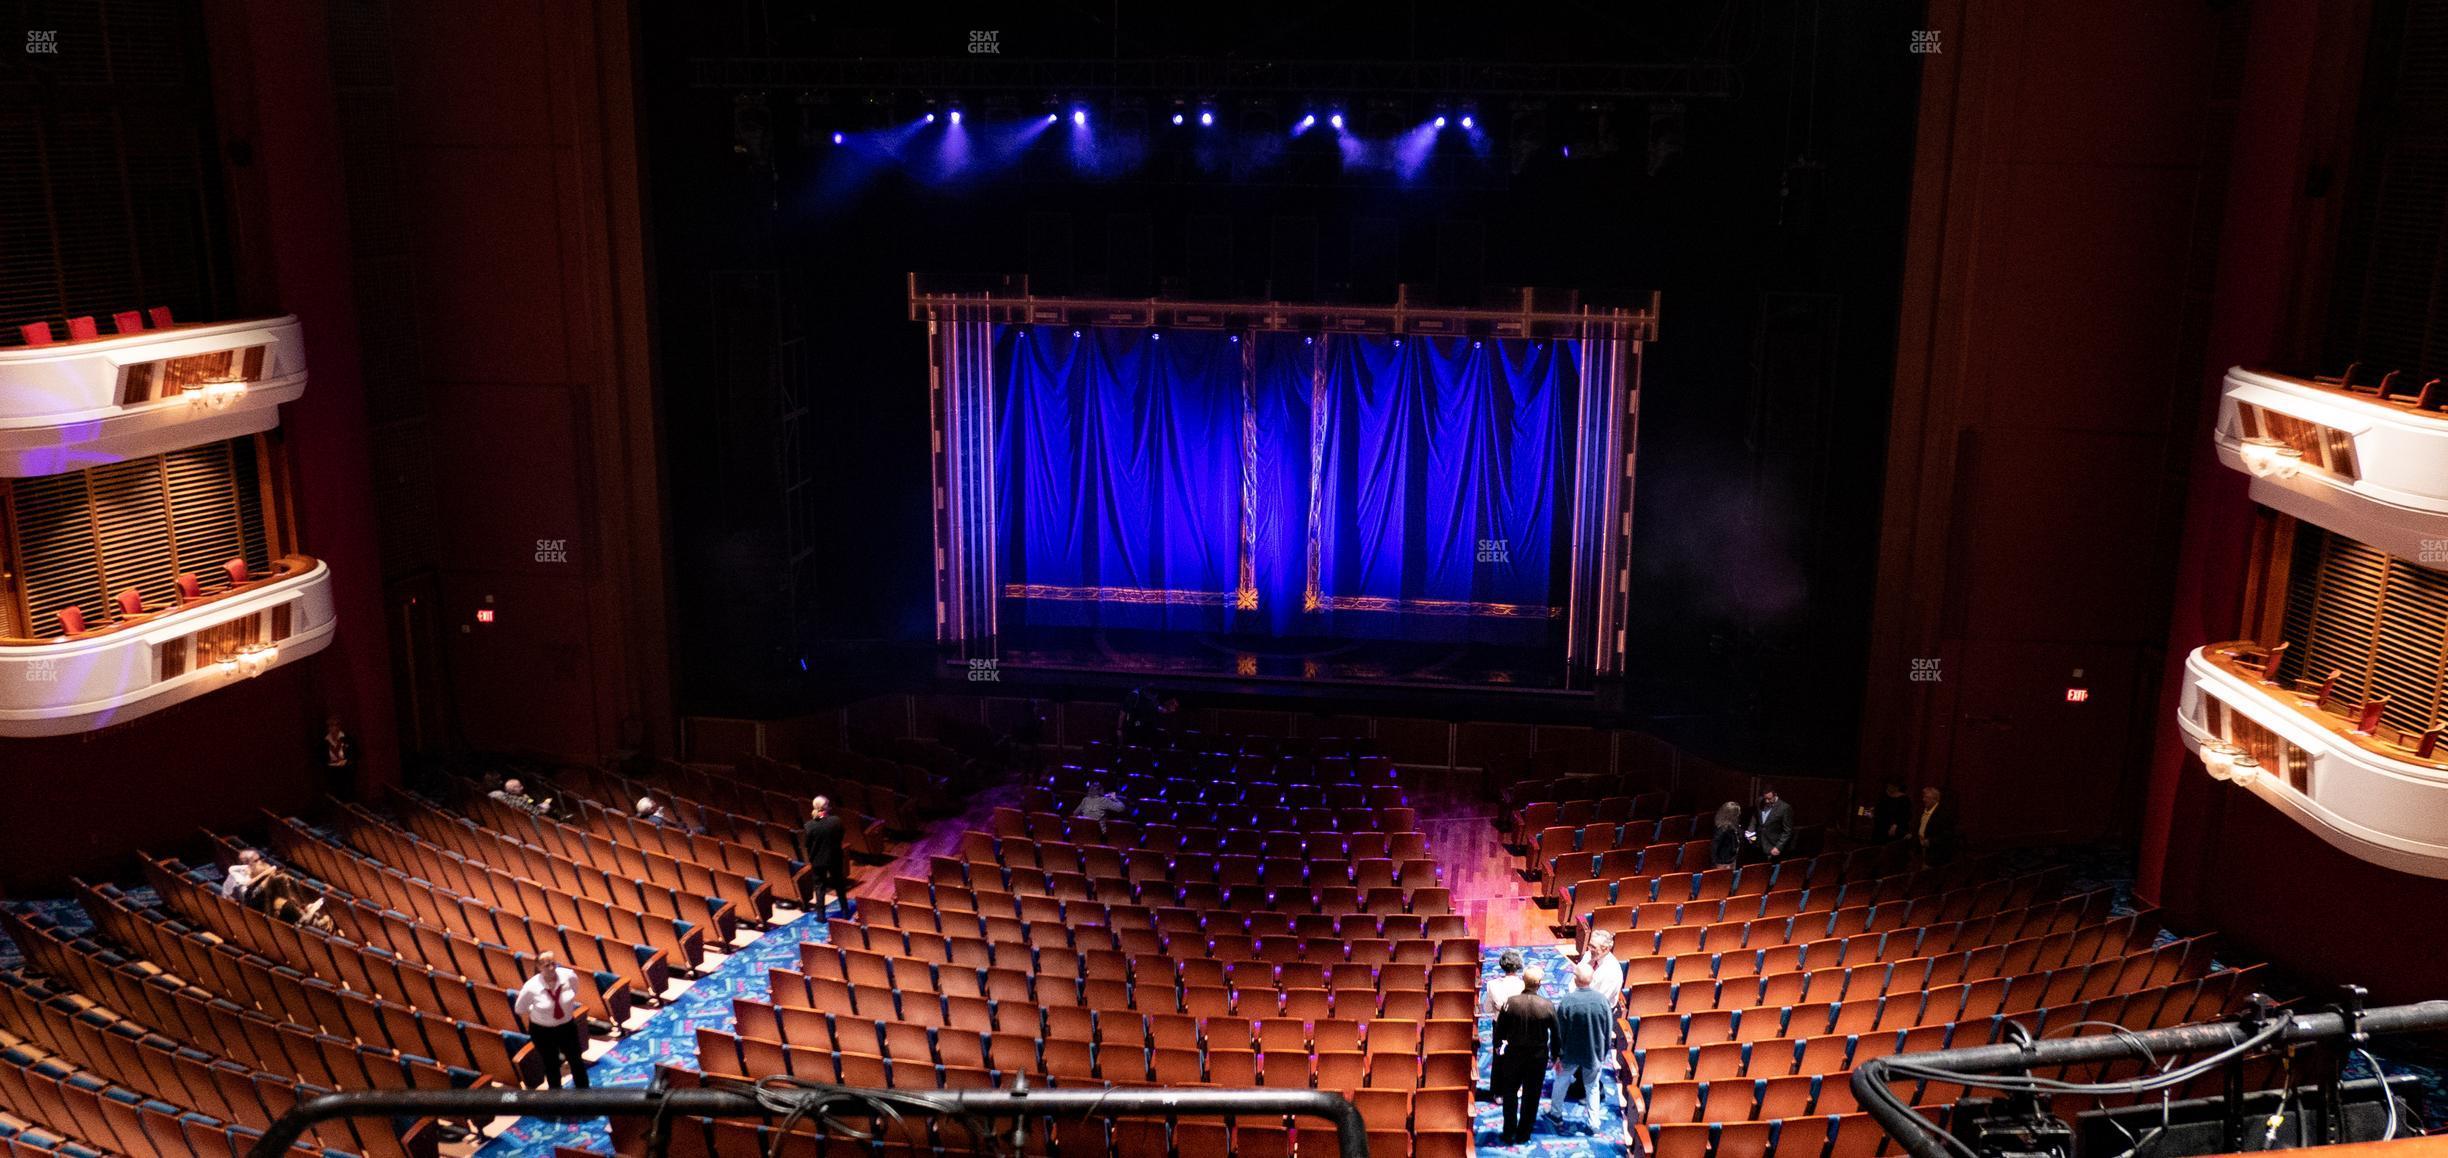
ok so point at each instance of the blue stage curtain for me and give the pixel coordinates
(1121, 471)
(1373, 487)
(1438, 472)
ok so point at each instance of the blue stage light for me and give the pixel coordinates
(1309, 120)
(1177, 118)
(1075, 333)
(1155, 337)
(1308, 341)
(956, 116)
(837, 138)
(1440, 122)
(930, 118)
(1079, 117)
(1206, 118)
(1467, 123)
(1335, 120)
(1051, 118)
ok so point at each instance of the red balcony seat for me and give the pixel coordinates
(82, 329)
(236, 569)
(71, 620)
(159, 316)
(190, 588)
(128, 322)
(37, 333)
(131, 603)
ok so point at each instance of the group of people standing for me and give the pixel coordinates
(1553, 1047)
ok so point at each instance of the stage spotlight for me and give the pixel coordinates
(1156, 337)
(1206, 119)
(1440, 122)
(1177, 118)
(1051, 118)
(837, 138)
(956, 116)
(930, 118)
(1079, 117)
(1335, 120)
(1307, 121)
(1468, 123)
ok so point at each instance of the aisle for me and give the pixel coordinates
(669, 1037)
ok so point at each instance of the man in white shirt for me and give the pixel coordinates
(548, 1002)
(241, 878)
(1609, 971)
(1506, 984)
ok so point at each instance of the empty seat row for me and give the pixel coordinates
(638, 967)
(83, 329)
(751, 897)
(681, 944)
(201, 1018)
(1193, 955)
(115, 1049)
(420, 1015)
(957, 906)
(810, 1026)
(364, 932)
(717, 918)
(1351, 833)
(933, 995)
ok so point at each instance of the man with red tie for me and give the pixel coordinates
(548, 1002)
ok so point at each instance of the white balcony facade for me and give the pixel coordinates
(87, 682)
(2370, 799)
(74, 405)
(2373, 471)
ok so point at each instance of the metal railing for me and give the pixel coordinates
(663, 1104)
(2345, 1025)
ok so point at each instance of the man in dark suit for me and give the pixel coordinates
(820, 846)
(1526, 1038)
(1934, 828)
(1772, 831)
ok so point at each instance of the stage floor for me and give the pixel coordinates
(1381, 663)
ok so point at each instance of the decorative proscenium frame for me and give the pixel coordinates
(960, 316)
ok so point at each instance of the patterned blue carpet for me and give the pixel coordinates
(1550, 1136)
(670, 1037)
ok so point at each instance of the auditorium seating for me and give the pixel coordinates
(1265, 914)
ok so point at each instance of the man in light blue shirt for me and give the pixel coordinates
(1585, 1032)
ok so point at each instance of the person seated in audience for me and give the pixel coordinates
(1725, 847)
(514, 794)
(285, 900)
(1525, 1043)
(1934, 830)
(1585, 1039)
(1101, 803)
(548, 1003)
(1891, 817)
(240, 882)
(1506, 983)
(656, 812)
(1772, 833)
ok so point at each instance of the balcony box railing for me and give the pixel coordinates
(2379, 794)
(2358, 464)
(72, 405)
(85, 682)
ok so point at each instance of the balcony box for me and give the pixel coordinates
(2372, 796)
(83, 683)
(74, 405)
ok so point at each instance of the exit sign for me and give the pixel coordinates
(484, 615)
(2078, 695)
